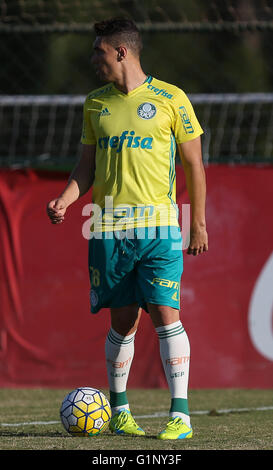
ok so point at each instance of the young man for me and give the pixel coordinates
(131, 128)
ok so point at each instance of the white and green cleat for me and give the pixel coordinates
(176, 429)
(123, 423)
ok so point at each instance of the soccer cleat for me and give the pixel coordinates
(176, 429)
(124, 423)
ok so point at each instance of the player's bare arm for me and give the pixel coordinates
(80, 181)
(191, 157)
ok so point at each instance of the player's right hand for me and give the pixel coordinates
(56, 210)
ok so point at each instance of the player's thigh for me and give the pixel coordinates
(112, 278)
(159, 273)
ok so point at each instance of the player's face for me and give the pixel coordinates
(104, 60)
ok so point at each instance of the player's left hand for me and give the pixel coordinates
(198, 241)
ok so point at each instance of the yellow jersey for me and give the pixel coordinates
(135, 136)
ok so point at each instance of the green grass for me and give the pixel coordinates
(215, 430)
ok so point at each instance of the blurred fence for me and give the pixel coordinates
(219, 52)
(44, 131)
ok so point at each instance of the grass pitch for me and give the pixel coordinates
(221, 419)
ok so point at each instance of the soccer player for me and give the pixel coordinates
(132, 126)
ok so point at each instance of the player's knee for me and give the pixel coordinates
(125, 320)
(162, 315)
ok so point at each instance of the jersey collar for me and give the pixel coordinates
(148, 79)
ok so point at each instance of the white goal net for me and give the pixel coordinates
(45, 130)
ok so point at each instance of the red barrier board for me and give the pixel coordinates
(48, 337)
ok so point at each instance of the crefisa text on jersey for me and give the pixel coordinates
(139, 459)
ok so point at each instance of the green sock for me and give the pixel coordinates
(118, 400)
(180, 405)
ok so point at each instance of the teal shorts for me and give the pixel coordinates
(142, 265)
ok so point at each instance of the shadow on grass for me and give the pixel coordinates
(57, 434)
(7, 433)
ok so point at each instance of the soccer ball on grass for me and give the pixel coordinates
(85, 412)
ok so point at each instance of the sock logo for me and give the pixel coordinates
(119, 365)
(116, 374)
(177, 374)
(174, 361)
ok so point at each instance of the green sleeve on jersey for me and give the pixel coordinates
(185, 124)
(88, 135)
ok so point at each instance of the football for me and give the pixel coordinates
(85, 412)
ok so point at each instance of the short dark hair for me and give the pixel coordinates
(118, 30)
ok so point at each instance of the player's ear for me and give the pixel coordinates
(121, 53)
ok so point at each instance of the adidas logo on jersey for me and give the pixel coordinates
(105, 112)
